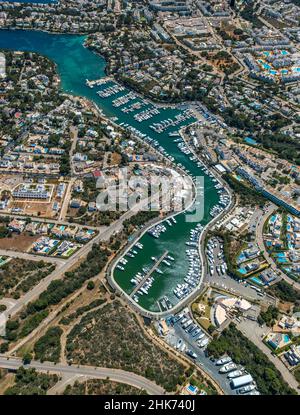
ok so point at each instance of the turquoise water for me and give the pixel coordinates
(265, 65)
(250, 140)
(75, 64)
(282, 260)
(257, 280)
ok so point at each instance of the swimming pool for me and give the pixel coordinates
(282, 260)
(257, 280)
(241, 257)
(192, 388)
(250, 140)
(266, 65)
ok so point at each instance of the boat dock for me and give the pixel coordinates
(98, 82)
(155, 266)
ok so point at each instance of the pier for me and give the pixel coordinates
(155, 266)
(99, 82)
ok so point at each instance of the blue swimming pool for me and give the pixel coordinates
(282, 260)
(266, 65)
(241, 257)
(250, 140)
(257, 280)
(192, 388)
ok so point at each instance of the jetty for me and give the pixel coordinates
(149, 273)
(98, 82)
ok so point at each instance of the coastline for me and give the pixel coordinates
(90, 101)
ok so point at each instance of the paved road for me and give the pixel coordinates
(31, 257)
(66, 200)
(204, 362)
(47, 220)
(261, 245)
(59, 271)
(254, 332)
(116, 375)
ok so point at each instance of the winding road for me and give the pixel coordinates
(116, 375)
(81, 254)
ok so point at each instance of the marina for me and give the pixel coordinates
(147, 276)
(76, 65)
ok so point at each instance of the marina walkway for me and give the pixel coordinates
(155, 266)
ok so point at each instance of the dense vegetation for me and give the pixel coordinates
(139, 219)
(48, 347)
(285, 145)
(101, 387)
(112, 337)
(57, 290)
(269, 317)
(16, 330)
(81, 310)
(248, 196)
(30, 382)
(297, 375)
(243, 351)
(285, 292)
(72, 280)
(18, 276)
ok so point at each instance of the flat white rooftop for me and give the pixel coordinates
(2, 65)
